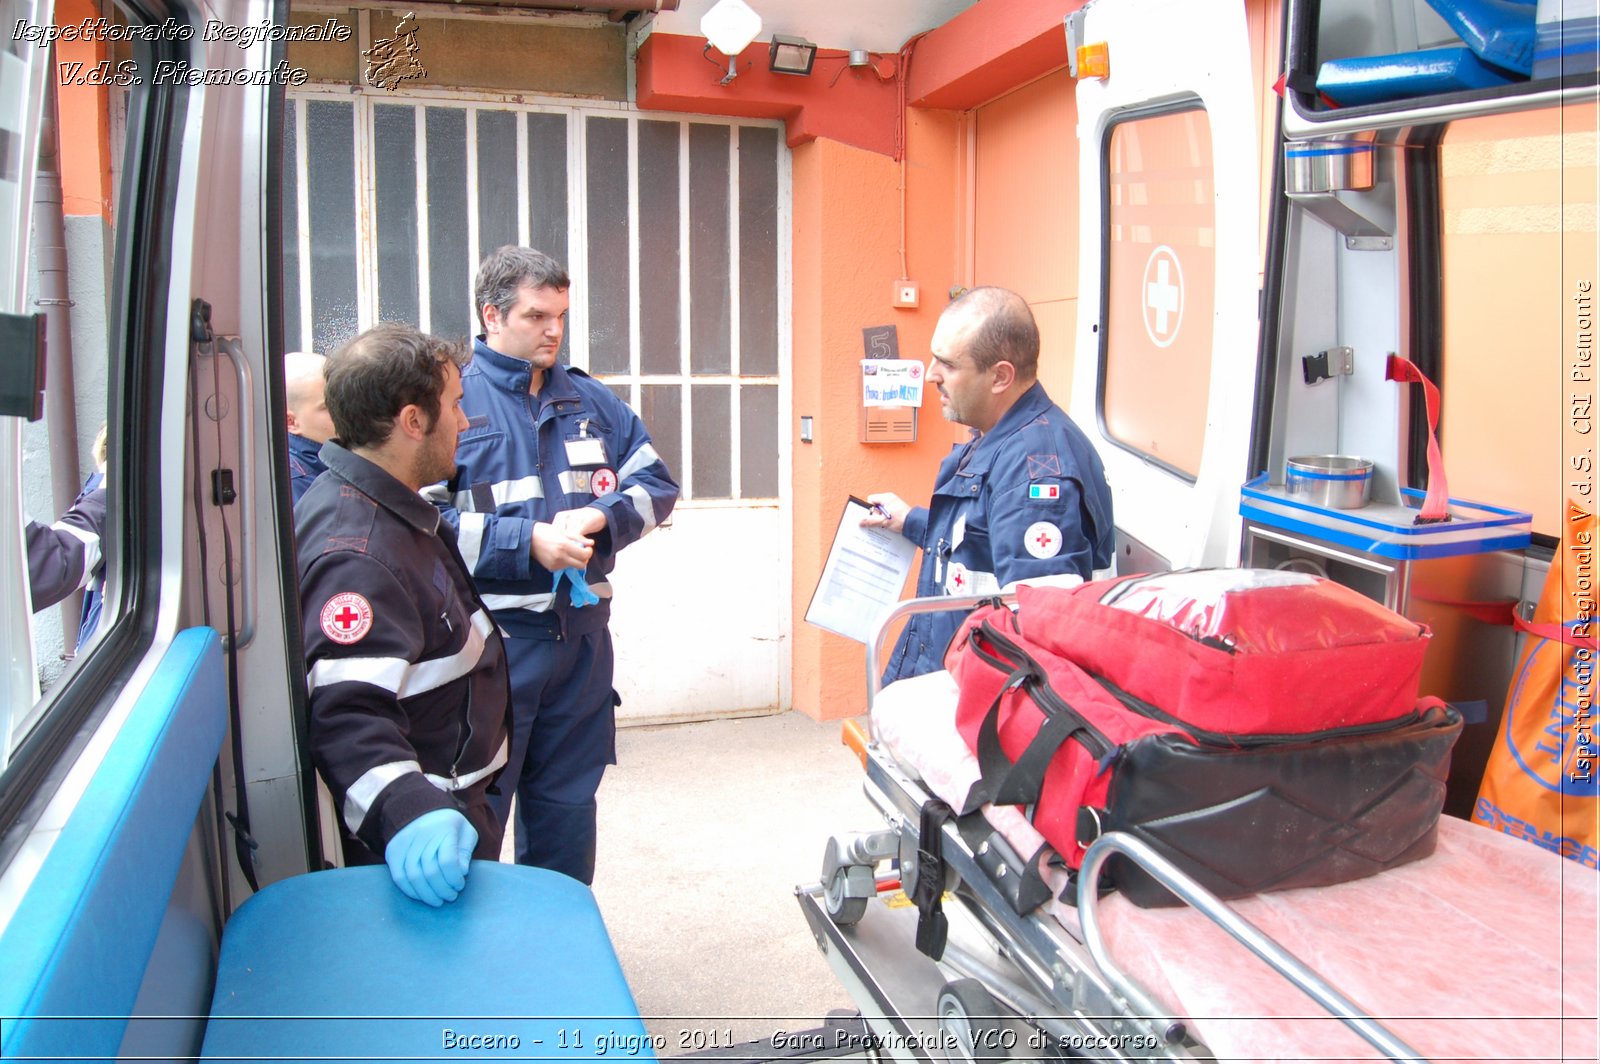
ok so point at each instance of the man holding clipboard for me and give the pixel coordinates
(1025, 497)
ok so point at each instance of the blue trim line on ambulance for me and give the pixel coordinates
(1511, 540)
(1252, 490)
(1310, 153)
(1301, 474)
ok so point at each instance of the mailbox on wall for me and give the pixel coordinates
(891, 389)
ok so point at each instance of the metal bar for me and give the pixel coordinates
(907, 608)
(1242, 930)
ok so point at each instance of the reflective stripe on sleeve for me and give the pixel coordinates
(645, 456)
(541, 602)
(364, 791)
(461, 783)
(91, 549)
(508, 491)
(469, 538)
(537, 603)
(644, 505)
(399, 677)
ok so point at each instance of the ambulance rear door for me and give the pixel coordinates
(1170, 269)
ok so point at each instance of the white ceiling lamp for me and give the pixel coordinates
(729, 27)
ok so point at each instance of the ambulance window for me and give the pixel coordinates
(107, 145)
(1519, 281)
(1159, 244)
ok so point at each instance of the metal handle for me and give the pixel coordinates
(1242, 930)
(243, 465)
(931, 604)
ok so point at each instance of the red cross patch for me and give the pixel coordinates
(958, 582)
(346, 618)
(1042, 540)
(603, 482)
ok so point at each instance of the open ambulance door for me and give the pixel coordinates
(1165, 358)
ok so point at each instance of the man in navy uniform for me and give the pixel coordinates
(64, 556)
(304, 396)
(556, 476)
(1025, 497)
(407, 672)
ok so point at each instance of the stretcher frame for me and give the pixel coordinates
(1062, 990)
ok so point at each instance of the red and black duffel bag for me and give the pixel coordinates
(1261, 728)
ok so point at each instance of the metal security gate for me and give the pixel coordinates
(676, 234)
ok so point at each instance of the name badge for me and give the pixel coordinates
(587, 451)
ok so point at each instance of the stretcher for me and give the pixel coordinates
(1485, 950)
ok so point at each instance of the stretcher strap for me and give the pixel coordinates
(1501, 612)
(1436, 503)
(933, 927)
(1565, 633)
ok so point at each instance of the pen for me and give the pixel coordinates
(878, 509)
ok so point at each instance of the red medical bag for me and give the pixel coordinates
(1261, 728)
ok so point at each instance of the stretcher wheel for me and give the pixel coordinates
(970, 1023)
(845, 906)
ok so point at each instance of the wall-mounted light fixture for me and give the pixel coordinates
(791, 55)
(729, 27)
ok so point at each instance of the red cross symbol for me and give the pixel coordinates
(1042, 539)
(603, 482)
(958, 579)
(346, 618)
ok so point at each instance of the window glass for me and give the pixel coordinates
(1160, 246)
(1518, 291)
(69, 461)
(672, 211)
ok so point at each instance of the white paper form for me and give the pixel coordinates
(865, 571)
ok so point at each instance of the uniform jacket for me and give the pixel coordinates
(62, 557)
(406, 670)
(1026, 499)
(524, 459)
(305, 465)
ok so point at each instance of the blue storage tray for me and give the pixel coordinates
(1387, 529)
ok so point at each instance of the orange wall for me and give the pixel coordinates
(1026, 213)
(85, 129)
(845, 260)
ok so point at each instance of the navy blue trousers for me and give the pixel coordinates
(563, 735)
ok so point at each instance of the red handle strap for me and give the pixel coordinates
(1436, 503)
(1561, 633)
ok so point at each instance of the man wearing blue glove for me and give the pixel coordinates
(406, 670)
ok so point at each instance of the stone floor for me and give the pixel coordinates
(705, 829)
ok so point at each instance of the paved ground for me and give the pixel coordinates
(705, 829)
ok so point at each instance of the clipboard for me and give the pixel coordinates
(865, 572)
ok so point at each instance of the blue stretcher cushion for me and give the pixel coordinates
(340, 964)
(1385, 78)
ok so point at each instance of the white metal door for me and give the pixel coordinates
(1166, 345)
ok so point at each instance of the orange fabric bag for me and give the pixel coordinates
(1540, 783)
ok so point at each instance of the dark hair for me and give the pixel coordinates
(1003, 329)
(506, 270)
(381, 372)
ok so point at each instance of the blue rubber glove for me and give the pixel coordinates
(428, 858)
(581, 595)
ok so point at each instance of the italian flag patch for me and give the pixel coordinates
(1044, 491)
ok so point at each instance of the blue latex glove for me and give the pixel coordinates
(581, 595)
(429, 857)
